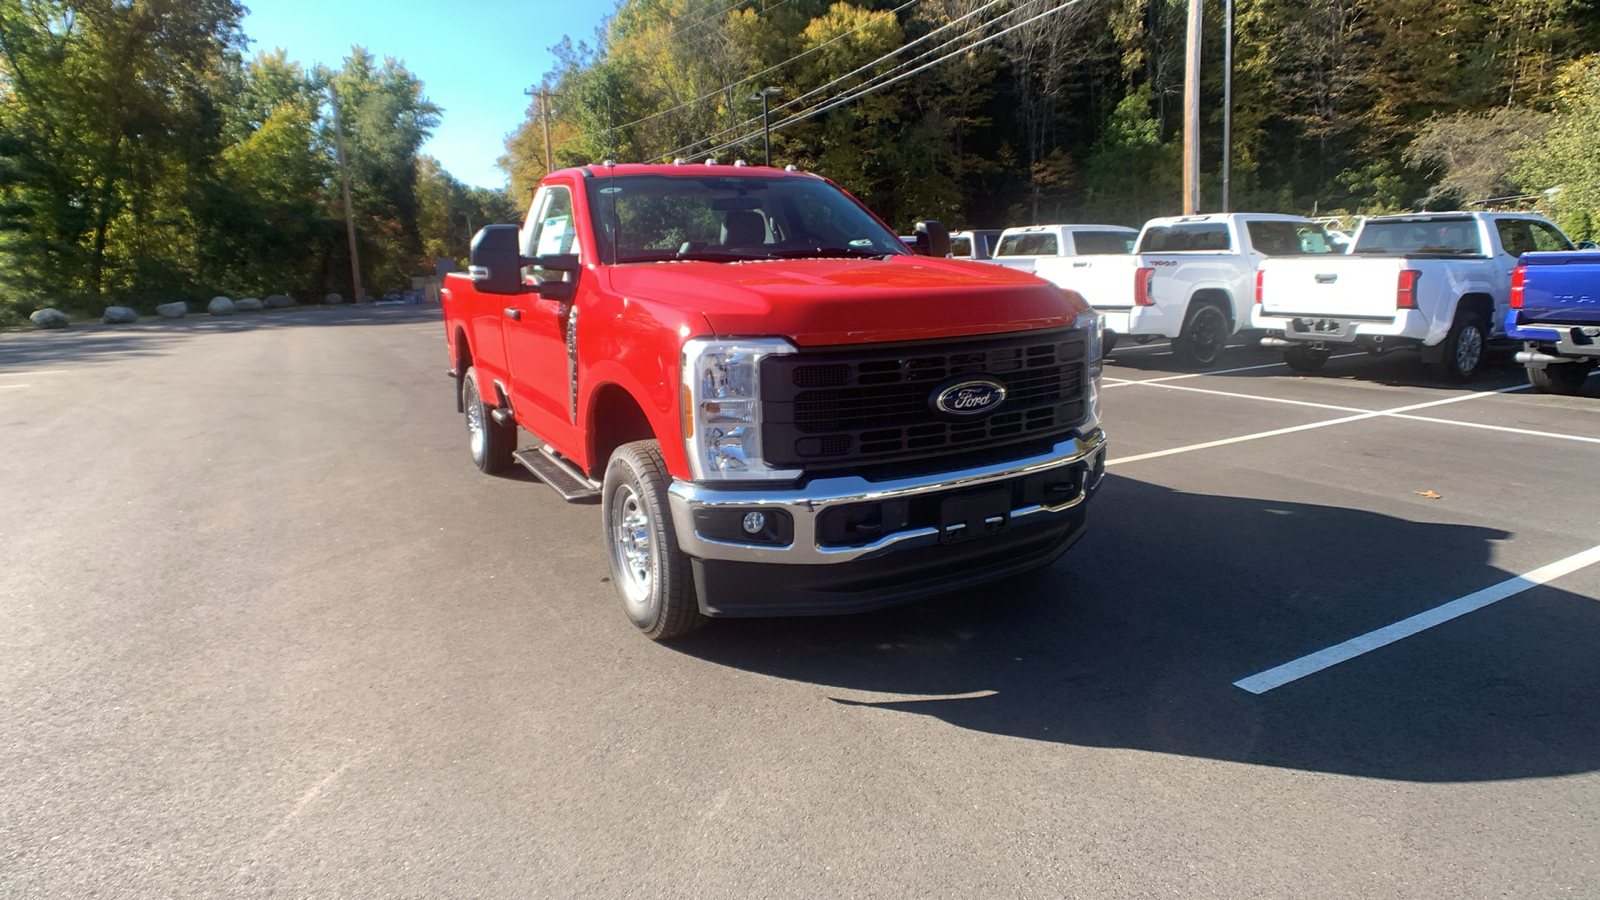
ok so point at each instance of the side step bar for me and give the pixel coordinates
(571, 484)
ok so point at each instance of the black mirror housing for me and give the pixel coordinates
(497, 260)
(558, 262)
(933, 239)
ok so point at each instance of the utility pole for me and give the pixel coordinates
(1227, 107)
(766, 124)
(544, 119)
(349, 212)
(1191, 112)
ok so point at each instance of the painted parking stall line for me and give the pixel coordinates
(1166, 378)
(1207, 445)
(1294, 670)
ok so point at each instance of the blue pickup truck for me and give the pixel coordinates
(1555, 312)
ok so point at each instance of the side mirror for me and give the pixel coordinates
(933, 239)
(1588, 245)
(497, 260)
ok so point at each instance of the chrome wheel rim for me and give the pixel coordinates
(475, 429)
(1469, 349)
(632, 548)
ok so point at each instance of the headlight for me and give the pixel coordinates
(1094, 332)
(721, 399)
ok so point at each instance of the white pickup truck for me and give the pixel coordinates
(1025, 246)
(1190, 279)
(1437, 282)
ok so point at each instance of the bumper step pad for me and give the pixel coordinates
(559, 474)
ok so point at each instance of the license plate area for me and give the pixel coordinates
(1304, 329)
(974, 515)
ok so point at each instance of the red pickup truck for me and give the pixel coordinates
(780, 408)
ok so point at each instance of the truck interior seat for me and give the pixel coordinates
(743, 228)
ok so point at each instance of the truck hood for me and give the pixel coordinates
(818, 302)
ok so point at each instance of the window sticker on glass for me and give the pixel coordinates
(552, 237)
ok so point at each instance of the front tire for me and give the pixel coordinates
(1463, 350)
(651, 574)
(1305, 359)
(1204, 335)
(490, 442)
(1108, 342)
(1562, 378)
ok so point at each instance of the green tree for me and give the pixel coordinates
(1566, 160)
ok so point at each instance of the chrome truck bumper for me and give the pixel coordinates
(846, 544)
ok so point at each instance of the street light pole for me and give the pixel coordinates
(1227, 108)
(766, 124)
(1191, 113)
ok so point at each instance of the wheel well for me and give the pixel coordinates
(615, 419)
(463, 359)
(1212, 297)
(1478, 303)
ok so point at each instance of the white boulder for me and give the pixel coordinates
(50, 318)
(248, 304)
(220, 306)
(175, 310)
(333, 299)
(119, 315)
(280, 301)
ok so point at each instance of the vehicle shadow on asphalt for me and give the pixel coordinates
(151, 336)
(1396, 368)
(1134, 639)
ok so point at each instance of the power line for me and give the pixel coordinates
(769, 69)
(857, 94)
(887, 56)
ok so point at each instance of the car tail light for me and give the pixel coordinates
(1143, 278)
(1518, 276)
(1405, 296)
(1259, 273)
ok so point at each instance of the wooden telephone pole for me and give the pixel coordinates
(1191, 112)
(544, 120)
(349, 211)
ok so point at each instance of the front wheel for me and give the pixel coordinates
(651, 574)
(1561, 378)
(1305, 359)
(1463, 349)
(1204, 335)
(490, 442)
(1108, 342)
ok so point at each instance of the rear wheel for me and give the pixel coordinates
(1108, 342)
(1204, 335)
(1463, 348)
(1305, 359)
(651, 574)
(1562, 378)
(490, 442)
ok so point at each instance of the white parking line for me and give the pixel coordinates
(1307, 427)
(1526, 431)
(35, 372)
(4, 386)
(1278, 676)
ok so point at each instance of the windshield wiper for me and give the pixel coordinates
(831, 253)
(696, 256)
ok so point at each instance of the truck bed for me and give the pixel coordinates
(1561, 289)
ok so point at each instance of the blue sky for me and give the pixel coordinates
(474, 59)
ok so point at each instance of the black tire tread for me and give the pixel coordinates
(1304, 359)
(499, 441)
(1445, 368)
(1183, 347)
(680, 607)
(1563, 378)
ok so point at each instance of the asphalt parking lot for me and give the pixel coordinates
(264, 631)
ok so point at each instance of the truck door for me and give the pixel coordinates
(536, 327)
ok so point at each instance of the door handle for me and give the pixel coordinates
(513, 314)
(1080, 265)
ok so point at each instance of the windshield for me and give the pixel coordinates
(729, 218)
(1290, 238)
(1446, 237)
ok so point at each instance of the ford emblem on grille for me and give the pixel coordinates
(968, 397)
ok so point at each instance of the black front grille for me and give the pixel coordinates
(871, 404)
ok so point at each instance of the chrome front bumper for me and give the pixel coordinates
(806, 504)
